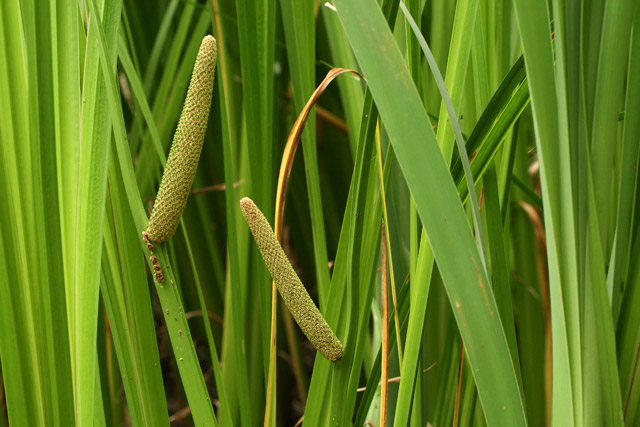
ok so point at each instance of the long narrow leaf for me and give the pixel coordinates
(439, 208)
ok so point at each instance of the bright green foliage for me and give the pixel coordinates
(517, 306)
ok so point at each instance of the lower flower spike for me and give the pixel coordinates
(293, 292)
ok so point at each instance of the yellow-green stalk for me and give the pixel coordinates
(291, 289)
(185, 151)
